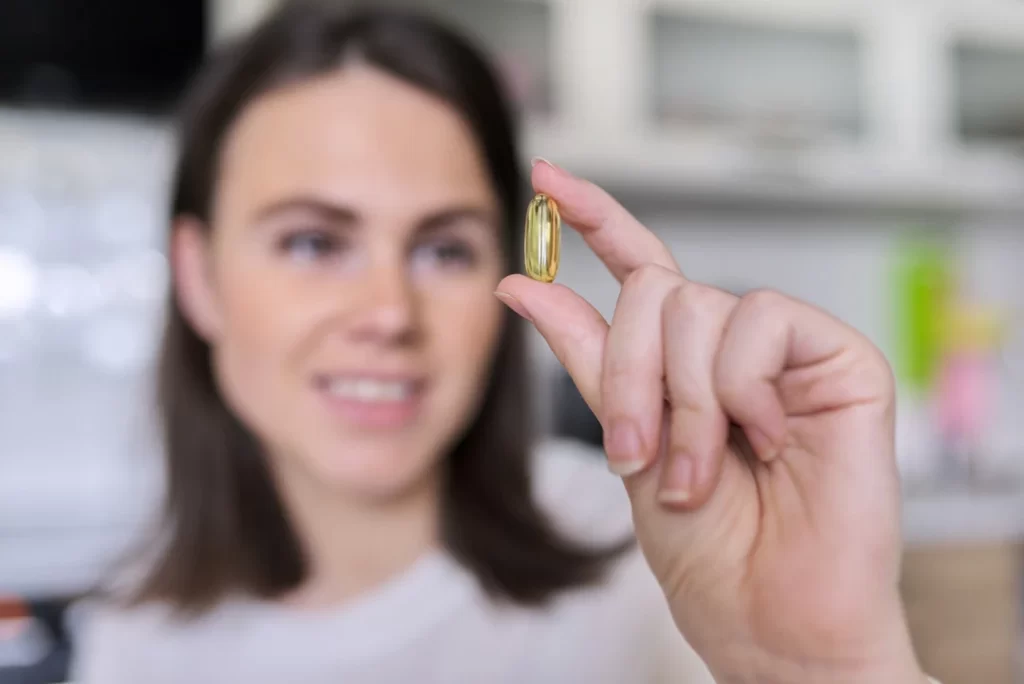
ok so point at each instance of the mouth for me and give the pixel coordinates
(372, 401)
(367, 389)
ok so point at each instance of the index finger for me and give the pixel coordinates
(619, 240)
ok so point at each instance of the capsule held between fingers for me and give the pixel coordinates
(542, 239)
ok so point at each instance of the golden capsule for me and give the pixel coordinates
(543, 238)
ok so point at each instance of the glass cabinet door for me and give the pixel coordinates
(756, 79)
(987, 93)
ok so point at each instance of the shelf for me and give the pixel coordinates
(720, 172)
(811, 14)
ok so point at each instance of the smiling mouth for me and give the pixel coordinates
(373, 403)
(369, 390)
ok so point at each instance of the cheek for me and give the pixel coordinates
(467, 341)
(263, 318)
(258, 315)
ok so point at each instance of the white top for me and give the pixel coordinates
(431, 625)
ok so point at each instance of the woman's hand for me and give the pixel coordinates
(755, 438)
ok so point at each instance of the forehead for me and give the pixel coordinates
(356, 136)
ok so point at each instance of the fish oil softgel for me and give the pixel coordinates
(543, 238)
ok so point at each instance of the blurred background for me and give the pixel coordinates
(865, 156)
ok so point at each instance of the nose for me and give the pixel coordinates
(387, 311)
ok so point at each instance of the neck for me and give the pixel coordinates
(355, 545)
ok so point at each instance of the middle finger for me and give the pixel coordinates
(694, 320)
(632, 377)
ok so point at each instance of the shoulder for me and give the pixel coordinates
(573, 485)
(109, 639)
(116, 642)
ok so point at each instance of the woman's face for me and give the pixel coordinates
(347, 285)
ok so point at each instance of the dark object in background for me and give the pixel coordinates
(110, 55)
(55, 666)
(573, 418)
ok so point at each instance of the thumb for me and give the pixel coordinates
(573, 329)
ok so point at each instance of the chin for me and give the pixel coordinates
(376, 472)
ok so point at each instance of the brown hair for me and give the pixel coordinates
(224, 527)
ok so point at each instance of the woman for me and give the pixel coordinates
(352, 494)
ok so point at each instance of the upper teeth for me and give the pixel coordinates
(365, 389)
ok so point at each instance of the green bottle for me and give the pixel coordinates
(924, 282)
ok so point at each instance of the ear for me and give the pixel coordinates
(192, 266)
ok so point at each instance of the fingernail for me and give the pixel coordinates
(763, 446)
(625, 468)
(542, 160)
(623, 449)
(678, 480)
(514, 304)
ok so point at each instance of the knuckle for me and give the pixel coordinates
(880, 369)
(689, 415)
(649, 276)
(764, 299)
(696, 300)
(692, 393)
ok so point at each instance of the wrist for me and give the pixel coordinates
(893, 661)
(891, 673)
(895, 673)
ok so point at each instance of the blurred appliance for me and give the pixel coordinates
(110, 55)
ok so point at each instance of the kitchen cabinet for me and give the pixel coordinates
(794, 102)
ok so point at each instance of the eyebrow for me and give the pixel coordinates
(452, 216)
(335, 213)
(346, 215)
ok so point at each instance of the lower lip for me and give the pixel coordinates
(374, 415)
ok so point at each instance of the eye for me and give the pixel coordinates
(446, 253)
(311, 245)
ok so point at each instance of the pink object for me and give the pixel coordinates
(966, 385)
